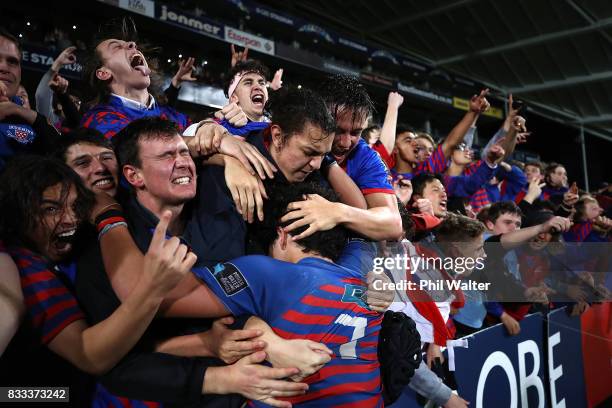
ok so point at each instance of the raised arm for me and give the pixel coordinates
(516, 238)
(387, 133)
(478, 105)
(98, 348)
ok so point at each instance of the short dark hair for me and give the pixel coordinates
(21, 205)
(537, 164)
(249, 66)
(402, 128)
(6, 34)
(293, 108)
(458, 228)
(500, 208)
(344, 92)
(80, 135)
(327, 243)
(120, 28)
(127, 140)
(420, 181)
(551, 168)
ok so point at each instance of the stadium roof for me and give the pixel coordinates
(554, 54)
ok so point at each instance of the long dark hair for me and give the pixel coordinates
(22, 185)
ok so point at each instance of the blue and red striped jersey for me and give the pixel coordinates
(578, 232)
(316, 300)
(50, 305)
(365, 167)
(435, 164)
(110, 117)
(480, 198)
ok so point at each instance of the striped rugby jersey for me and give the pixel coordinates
(111, 117)
(435, 164)
(365, 167)
(316, 300)
(51, 306)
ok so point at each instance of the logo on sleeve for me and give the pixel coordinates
(354, 294)
(229, 278)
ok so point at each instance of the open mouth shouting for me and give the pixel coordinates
(443, 205)
(258, 99)
(138, 63)
(62, 241)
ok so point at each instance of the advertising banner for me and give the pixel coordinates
(245, 39)
(200, 25)
(40, 59)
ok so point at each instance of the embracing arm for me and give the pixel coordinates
(124, 264)
(345, 187)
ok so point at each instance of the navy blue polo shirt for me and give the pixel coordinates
(214, 230)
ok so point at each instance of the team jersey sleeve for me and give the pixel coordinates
(515, 182)
(50, 306)
(467, 185)
(253, 285)
(358, 256)
(107, 122)
(372, 175)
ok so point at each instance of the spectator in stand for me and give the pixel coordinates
(52, 90)
(414, 157)
(431, 187)
(555, 177)
(22, 130)
(22, 93)
(589, 223)
(507, 136)
(39, 235)
(248, 89)
(184, 73)
(534, 170)
(504, 234)
(507, 183)
(385, 141)
(120, 77)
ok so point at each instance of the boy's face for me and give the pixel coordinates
(435, 192)
(558, 178)
(167, 176)
(301, 153)
(406, 148)
(251, 95)
(123, 64)
(425, 148)
(505, 223)
(533, 172)
(96, 165)
(349, 125)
